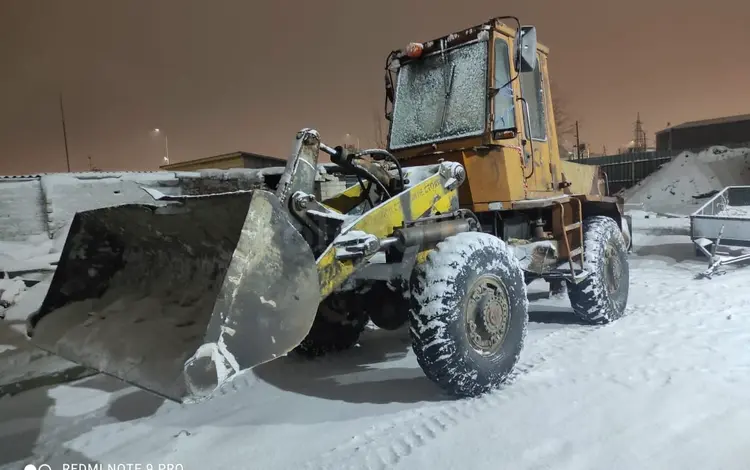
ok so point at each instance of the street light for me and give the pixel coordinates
(157, 132)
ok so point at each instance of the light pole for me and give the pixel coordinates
(157, 132)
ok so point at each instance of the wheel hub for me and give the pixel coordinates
(487, 315)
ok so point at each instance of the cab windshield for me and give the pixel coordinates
(441, 97)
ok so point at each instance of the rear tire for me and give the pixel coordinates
(334, 328)
(469, 314)
(602, 297)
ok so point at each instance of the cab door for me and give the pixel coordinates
(536, 129)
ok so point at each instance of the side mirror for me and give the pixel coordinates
(525, 57)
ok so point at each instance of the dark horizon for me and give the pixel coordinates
(228, 76)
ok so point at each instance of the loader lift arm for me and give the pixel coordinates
(402, 223)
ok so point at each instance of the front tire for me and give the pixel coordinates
(602, 297)
(469, 314)
(335, 328)
(386, 305)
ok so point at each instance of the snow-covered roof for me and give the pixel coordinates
(83, 174)
(709, 122)
(7, 177)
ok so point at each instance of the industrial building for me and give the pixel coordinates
(728, 131)
(328, 184)
(226, 161)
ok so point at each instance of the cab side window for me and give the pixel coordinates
(533, 92)
(505, 116)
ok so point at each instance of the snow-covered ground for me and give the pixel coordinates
(32, 260)
(664, 387)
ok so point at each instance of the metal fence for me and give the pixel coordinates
(625, 170)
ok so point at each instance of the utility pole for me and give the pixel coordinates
(639, 136)
(65, 134)
(578, 144)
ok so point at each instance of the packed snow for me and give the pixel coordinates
(25, 265)
(26, 269)
(682, 184)
(735, 211)
(663, 387)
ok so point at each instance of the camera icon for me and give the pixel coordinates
(43, 466)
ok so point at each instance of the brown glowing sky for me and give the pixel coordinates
(225, 75)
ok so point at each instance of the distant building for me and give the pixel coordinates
(728, 131)
(327, 185)
(226, 161)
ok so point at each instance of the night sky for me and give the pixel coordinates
(224, 75)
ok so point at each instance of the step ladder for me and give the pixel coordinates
(573, 232)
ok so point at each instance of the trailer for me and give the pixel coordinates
(720, 228)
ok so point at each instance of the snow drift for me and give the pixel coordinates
(685, 182)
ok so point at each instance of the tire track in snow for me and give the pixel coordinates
(384, 446)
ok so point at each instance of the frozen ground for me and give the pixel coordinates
(26, 268)
(25, 273)
(664, 387)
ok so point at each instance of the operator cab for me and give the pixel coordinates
(458, 90)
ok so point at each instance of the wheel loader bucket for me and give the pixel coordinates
(178, 298)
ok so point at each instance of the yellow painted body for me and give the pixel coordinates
(581, 178)
(426, 198)
(501, 169)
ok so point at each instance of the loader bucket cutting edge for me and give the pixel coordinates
(178, 299)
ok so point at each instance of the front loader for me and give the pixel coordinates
(179, 296)
(469, 203)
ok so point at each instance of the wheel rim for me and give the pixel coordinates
(487, 314)
(612, 269)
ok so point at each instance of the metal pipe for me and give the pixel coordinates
(527, 118)
(329, 150)
(388, 242)
(422, 235)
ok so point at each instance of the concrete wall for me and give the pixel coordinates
(45, 204)
(21, 208)
(64, 195)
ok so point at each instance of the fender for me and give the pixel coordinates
(626, 223)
